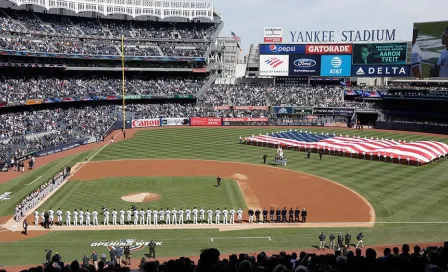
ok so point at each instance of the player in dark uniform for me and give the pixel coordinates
(264, 158)
(297, 215)
(271, 215)
(332, 237)
(218, 181)
(321, 152)
(277, 214)
(309, 153)
(348, 238)
(265, 215)
(291, 215)
(340, 238)
(284, 212)
(257, 215)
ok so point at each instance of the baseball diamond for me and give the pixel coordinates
(178, 168)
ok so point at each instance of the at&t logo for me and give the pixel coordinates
(336, 62)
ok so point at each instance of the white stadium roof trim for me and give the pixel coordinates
(134, 8)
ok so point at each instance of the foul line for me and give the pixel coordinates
(34, 180)
(266, 237)
(93, 156)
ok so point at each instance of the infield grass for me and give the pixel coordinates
(175, 192)
(398, 193)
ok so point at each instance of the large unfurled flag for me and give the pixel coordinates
(235, 37)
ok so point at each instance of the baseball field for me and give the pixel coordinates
(177, 168)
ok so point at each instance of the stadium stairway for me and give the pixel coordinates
(206, 85)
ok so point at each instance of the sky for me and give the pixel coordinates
(247, 18)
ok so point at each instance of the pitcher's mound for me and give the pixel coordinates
(141, 197)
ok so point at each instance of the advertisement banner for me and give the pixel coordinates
(175, 121)
(323, 111)
(290, 81)
(336, 65)
(199, 70)
(302, 110)
(274, 65)
(344, 111)
(3, 104)
(221, 107)
(250, 107)
(336, 124)
(328, 49)
(132, 97)
(34, 101)
(293, 122)
(273, 35)
(181, 96)
(57, 149)
(245, 121)
(282, 49)
(141, 123)
(304, 65)
(283, 110)
(381, 71)
(205, 121)
(381, 53)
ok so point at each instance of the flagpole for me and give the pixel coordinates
(123, 81)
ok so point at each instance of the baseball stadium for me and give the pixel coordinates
(134, 139)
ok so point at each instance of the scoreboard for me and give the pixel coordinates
(335, 60)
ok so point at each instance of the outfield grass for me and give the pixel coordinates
(176, 192)
(398, 193)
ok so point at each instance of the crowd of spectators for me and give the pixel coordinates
(39, 87)
(429, 259)
(40, 32)
(265, 95)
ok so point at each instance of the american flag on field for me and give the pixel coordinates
(235, 37)
(420, 152)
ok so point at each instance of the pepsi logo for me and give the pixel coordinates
(273, 48)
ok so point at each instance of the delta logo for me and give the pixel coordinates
(134, 245)
(274, 62)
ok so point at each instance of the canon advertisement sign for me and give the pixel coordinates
(141, 123)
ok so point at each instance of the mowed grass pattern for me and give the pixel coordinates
(176, 192)
(399, 193)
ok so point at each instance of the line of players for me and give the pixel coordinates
(148, 217)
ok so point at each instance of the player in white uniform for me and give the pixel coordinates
(142, 217)
(155, 216)
(240, 215)
(187, 215)
(87, 214)
(122, 212)
(106, 217)
(75, 218)
(95, 218)
(36, 218)
(224, 213)
(129, 216)
(442, 62)
(51, 216)
(68, 217)
(59, 214)
(167, 216)
(161, 215)
(232, 216)
(42, 216)
(195, 215)
(174, 213)
(210, 216)
(181, 216)
(135, 217)
(148, 216)
(201, 215)
(81, 217)
(217, 216)
(114, 217)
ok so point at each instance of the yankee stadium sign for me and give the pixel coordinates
(328, 36)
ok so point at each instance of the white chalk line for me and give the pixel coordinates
(241, 237)
(34, 180)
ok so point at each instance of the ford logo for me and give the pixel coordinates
(305, 63)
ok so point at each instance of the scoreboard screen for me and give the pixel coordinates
(381, 53)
